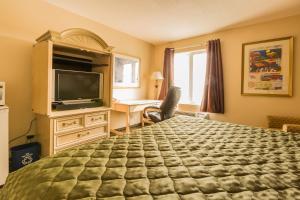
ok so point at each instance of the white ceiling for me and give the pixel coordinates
(159, 21)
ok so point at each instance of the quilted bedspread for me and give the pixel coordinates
(182, 158)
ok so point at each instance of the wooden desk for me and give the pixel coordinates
(131, 106)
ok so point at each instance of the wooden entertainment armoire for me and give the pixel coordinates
(59, 130)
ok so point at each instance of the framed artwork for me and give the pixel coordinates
(126, 71)
(267, 67)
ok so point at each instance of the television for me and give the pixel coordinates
(76, 85)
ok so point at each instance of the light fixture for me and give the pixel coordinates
(156, 76)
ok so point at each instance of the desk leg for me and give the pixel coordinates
(127, 122)
(142, 119)
(116, 132)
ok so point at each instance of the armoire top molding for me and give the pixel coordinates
(78, 37)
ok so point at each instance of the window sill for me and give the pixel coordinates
(189, 104)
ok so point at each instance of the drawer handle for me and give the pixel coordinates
(79, 135)
(96, 119)
(69, 124)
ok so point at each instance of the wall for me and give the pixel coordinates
(21, 22)
(250, 110)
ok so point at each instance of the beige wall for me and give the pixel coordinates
(21, 22)
(251, 110)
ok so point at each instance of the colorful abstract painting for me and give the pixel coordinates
(267, 67)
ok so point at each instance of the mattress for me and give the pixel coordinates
(183, 158)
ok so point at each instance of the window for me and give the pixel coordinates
(189, 75)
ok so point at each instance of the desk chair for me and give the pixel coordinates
(166, 110)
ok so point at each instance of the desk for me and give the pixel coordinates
(131, 106)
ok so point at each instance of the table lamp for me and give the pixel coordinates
(156, 76)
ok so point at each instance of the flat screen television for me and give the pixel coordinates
(77, 85)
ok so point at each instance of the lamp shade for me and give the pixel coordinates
(157, 76)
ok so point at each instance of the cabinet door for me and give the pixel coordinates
(3, 145)
(42, 77)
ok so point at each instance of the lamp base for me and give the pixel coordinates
(156, 89)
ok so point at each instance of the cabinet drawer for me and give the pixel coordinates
(95, 118)
(77, 137)
(68, 124)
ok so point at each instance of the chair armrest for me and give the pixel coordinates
(295, 128)
(150, 109)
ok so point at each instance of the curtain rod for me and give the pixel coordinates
(204, 44)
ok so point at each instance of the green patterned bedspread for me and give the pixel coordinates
(182, 158)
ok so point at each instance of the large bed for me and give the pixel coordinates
(181, 158)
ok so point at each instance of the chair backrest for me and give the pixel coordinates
(170, 102)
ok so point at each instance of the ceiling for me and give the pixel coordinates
(159, 21)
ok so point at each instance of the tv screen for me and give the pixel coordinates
(74, 85)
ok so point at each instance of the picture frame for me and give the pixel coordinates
(267, 67)
(126, 71)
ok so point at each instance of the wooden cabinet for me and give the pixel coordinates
(72, 128)
(83, 51)
(79, 44)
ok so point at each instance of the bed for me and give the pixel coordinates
(183, 158)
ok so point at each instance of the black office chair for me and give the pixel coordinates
(166, 109)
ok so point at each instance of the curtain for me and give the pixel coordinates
(213, 98)
(168, 72)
